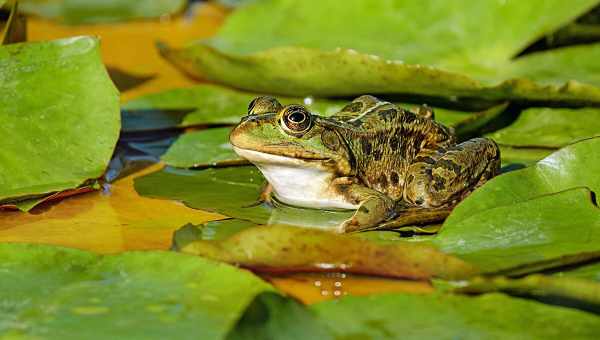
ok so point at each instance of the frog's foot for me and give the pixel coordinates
(370, 213)
(265, 197)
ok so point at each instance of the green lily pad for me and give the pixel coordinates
(550, 128)
(522, 157)
(287, 248)
(201, 149)
(51, 292)
(434, 316)
(527, 236)
(214, 230)
(100, 11)
(50, 123)
(580, 291)
(234, 192)
(575, 165)
(530, 219)
(387, 52)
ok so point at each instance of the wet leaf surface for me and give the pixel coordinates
(530, 219)
(549, 128)
(528, 234)
(234, 192)
(430, 316)
(60, 118)
(294, 249)
(466, 63)
(571, 166)
(202, 149)
(101, 11)
(52, 292)
(575, 292)
(113, 220)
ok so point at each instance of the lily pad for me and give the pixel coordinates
(387, 52)
(100, 11)
(51, 139)
(530, 219)
(433, 316)
(583, 292)
(550, 128)
(50, 292)
(575, 165)
(548, 231)
(234, 192)
(201, 149)
(293, 249)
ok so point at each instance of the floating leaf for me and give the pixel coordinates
(522, 157)
(573, 166)
(51, 139)
(434, 316)
(472, 60)
(100, 11)
(550, 128)
(540, 286)
(201, 149)
(535, 218)
(230, 191)
(292, 249)
(113, 220)
(544, 232)
(50, 292)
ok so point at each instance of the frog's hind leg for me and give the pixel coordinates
(445, 179)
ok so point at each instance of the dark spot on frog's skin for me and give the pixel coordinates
(425, 159)
(419, 201)
(450, 165)
(383, 181)
(366, 146)
(394, 142)
(363, 209)
(409, 179)
(439, 183)
(377, 154)
(395, 179)
(353, 107)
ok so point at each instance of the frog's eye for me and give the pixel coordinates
(264, 104)
(295, 119)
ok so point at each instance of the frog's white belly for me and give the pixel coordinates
(296, 182)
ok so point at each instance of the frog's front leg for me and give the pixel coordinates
(373, 206)
(443, 179)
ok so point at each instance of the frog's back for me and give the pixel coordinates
(385, 141)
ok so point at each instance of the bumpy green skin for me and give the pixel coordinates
(383, 158)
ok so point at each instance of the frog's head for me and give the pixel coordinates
(272, 134)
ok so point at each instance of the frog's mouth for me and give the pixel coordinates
(261, 157)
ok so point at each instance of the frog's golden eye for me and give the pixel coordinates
(295, 119)
(264, 104)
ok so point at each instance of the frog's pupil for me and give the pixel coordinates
(297, 117)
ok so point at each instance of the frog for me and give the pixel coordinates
(372, 156)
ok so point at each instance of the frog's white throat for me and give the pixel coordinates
(297, 182)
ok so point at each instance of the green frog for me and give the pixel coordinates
(372, 157)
